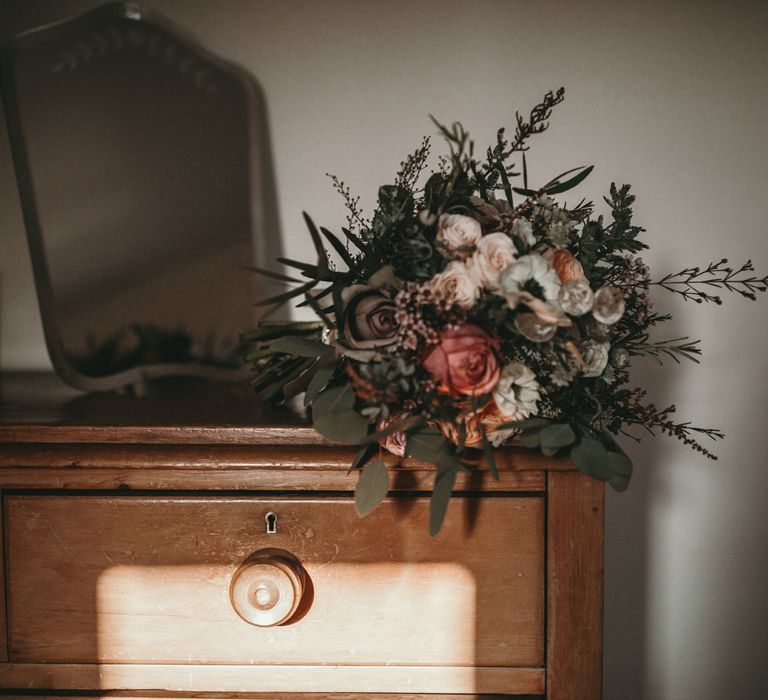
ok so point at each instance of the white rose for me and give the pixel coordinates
(495, 252)
(458, 233)
(594, 358)
(456, 284)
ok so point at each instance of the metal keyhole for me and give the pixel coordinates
(271, 519)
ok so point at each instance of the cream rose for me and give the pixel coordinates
(458, 233)
(494, 253)
(456, 284)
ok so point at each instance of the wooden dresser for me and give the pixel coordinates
(136, 532)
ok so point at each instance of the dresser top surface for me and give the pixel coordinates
(38, 407)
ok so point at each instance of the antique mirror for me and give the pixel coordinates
(143, 168)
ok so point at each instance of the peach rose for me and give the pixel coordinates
(464, 360)
(566, 266)
(473, 436)
(487, 420)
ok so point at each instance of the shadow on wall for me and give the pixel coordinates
(627, 561)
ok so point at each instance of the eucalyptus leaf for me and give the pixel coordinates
(363, 455)
(347, 427)
(557, 435)
(334, 399)
(428, 445)
(372, 486)
(593, 458)
(334, 417)
(301, 346)
(488, 450)
(441, 494)
(530, 439)
(525, 424)
(319, 381)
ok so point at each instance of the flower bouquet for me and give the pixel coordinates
(472, 310)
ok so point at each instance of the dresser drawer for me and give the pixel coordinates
(105, 579)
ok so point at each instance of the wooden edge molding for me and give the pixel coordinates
(274, 678)
(575, 556)
(262, 479)
(181, 695)
(216, 457)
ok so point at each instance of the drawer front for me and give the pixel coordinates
(146, 580)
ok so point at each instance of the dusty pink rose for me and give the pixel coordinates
(394, 442)
(464, 360)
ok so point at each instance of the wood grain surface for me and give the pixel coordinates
(575, 544)
(356, 680)
(146, 580)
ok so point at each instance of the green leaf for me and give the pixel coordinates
(572, 182)
(359, 243)
(525, 172)
(555, 436)
(404, 425)
(321, 377)
(334, 417)
(593, 458)
(488, 450)
(301, 346)
(338, 246)
(273, 275)
(372, 486)
(526, 424)
(285, 296)
(363, 455)
(441, 494)
(531, 439)
(347, 427)
(428, 445)
(322, 257)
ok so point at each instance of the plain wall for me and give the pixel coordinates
(671, 97)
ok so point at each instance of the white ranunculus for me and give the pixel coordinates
(594, 358)
(576, 297)
(494, 253)
(517, 392)
(459, 233)
(456, 284)
(529, 268)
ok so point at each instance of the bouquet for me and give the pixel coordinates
(472, 310)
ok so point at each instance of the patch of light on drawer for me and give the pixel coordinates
(371, 613)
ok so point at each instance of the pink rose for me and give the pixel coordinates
(464, 360)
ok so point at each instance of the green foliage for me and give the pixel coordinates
(372, 486)
(593, 457)
(335, 418)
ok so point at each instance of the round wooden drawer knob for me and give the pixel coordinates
(268, 587)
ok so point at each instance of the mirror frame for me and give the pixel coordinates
(263, 204)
